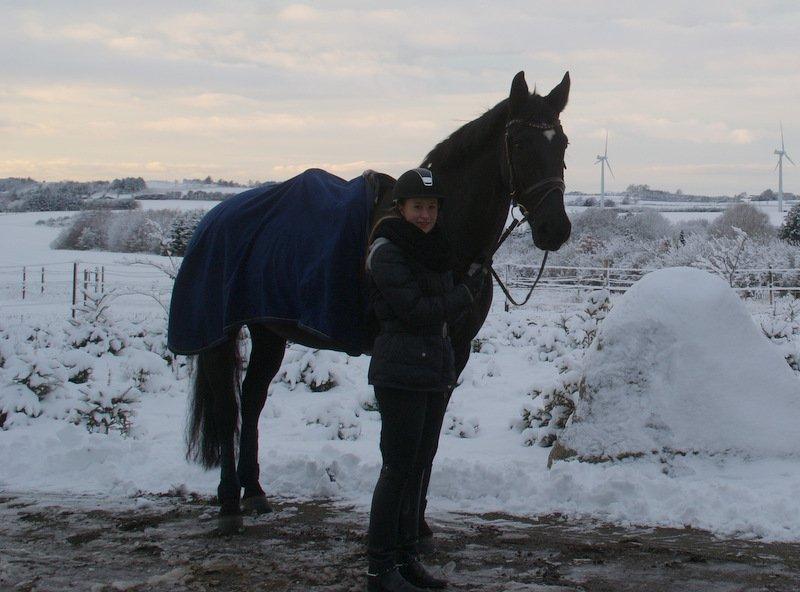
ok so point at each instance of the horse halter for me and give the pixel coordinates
(554, 183)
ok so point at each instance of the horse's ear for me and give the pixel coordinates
(557, 98)
(519, 92)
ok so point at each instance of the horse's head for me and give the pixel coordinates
(534, 156)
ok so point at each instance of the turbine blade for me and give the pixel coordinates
(608, 164)
(782, 147)
(789, 158)
(605, 152)
(777, 164)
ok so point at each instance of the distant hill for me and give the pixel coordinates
(28, 195)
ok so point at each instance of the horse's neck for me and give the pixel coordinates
(477, 215)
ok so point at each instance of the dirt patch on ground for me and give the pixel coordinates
(161, 543)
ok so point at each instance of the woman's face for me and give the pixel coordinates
(421, 212)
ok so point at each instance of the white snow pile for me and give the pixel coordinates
(679, 367)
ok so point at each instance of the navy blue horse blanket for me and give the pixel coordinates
(288, 253)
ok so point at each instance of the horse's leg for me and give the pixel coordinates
(266, 356)
(215, 392)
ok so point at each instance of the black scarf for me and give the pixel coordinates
(431, 249)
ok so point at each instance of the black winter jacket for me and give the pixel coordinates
(414, 306)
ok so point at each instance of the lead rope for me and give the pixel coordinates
(530, 292)
(506, 234)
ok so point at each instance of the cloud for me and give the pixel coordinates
(213, 123)
(216, 100)
(704, 169)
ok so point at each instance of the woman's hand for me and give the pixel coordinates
(475, 280)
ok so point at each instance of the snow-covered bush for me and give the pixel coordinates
(455, 425)
(78, 370)
(745, 217)
(341, 422)
(317, 369)
(367, 400)
(782, 328)
(514, 328)
(150, 231)
(545, 415)
(600, 223)
(551, 404)
(107, 407)
(552, 341)
(647, 225)
(581, 328)
(92, 330)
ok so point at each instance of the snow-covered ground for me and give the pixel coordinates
(177, 204)
(680, 211)
(482, 464)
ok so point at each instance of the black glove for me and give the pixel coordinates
(476, 280)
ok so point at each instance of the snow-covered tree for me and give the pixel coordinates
(727, 255)
(745, 217)
(106, 407)
(181, 231)
(93, 330)
(790, 229)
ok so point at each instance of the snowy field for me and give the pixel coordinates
(324, 444)
(680, 211)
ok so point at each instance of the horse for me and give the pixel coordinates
(513, 152)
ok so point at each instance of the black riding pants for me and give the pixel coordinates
(410, 426)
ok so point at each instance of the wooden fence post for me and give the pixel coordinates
(505, 304)
(74, 287)
(771, 285)
(24, 279)
(42, 292)
(85, 284)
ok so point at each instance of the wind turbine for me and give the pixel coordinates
(603, 161)
(781, 153)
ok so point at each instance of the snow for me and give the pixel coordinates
(679, 365)
(682, 211)
(324, 444)
(177, 204)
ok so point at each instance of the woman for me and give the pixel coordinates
(414, 300)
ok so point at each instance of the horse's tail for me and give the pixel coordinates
(214, 403)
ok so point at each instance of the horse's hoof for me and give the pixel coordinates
(257, 504)
(230, 524)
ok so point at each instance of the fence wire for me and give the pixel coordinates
(68, 283)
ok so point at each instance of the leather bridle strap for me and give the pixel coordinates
(554, 183)
(530, 292)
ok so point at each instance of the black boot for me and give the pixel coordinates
(390, 581)
(415, 572)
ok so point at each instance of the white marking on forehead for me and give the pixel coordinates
(549, 134)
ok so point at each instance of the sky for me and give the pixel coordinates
(691, 93)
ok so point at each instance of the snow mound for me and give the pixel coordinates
(679, 367)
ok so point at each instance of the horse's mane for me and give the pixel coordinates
(470, 139)
(472, 136)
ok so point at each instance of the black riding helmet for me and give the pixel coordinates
(416, 183)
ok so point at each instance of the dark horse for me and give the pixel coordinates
(514, 151)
